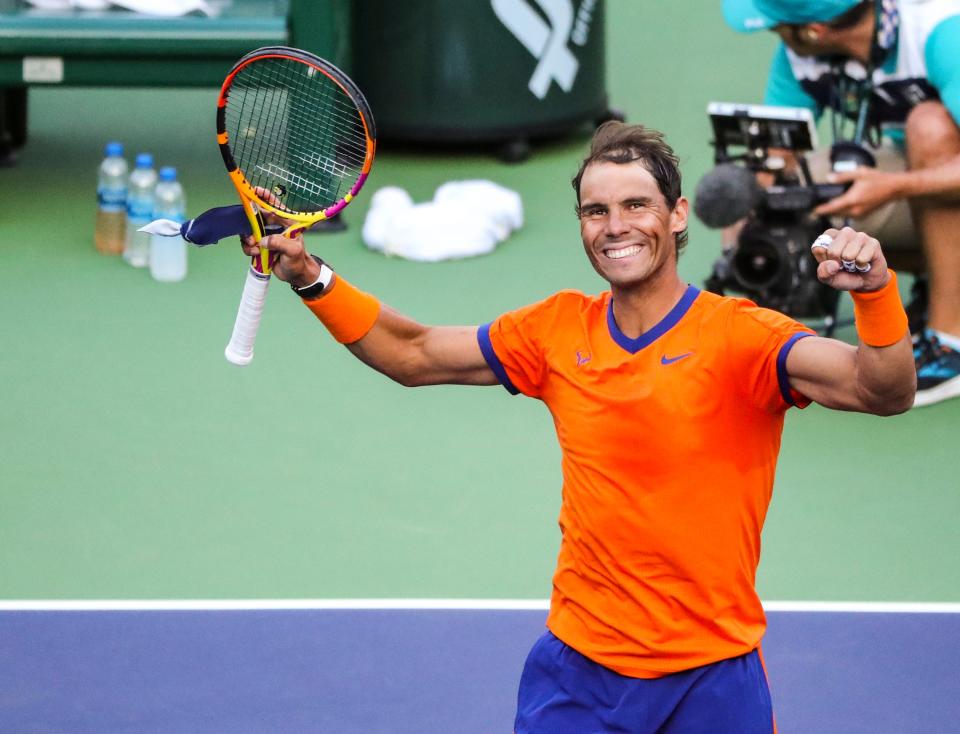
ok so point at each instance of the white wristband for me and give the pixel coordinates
(326, 275)
(319, 285)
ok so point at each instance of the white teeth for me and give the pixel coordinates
(623, 252)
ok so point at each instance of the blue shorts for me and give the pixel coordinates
(563, 692)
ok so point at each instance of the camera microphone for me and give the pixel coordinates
(726, 195)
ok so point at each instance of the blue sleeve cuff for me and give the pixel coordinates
(493, 361)
(783, 379)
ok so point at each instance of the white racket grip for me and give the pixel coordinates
(240, 349)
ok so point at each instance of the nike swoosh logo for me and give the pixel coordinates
(670, 360)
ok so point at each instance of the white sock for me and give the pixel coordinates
(951, 340)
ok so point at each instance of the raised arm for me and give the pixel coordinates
(415, 355)
(878, 375)
(404, 350)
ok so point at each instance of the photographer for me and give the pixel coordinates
(889, 65)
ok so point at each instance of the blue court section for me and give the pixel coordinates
(400, 671)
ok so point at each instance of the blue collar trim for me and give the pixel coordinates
(666, 323)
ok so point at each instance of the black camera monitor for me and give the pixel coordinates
(759, 126)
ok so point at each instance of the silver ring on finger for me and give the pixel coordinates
(823, 241)
(849, 265)
(863, 268)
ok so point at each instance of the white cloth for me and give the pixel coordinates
(167, 8)
(163, 227)
(465, 218)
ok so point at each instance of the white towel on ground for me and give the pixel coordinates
(465, 218)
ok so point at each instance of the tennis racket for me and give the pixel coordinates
(298, 140)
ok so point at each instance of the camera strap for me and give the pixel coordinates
(851, 95)
(885, 34)
(886, 30)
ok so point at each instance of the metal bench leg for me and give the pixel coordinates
(13, 123)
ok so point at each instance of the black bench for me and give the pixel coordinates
(121, 48)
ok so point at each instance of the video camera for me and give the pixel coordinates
(770, 263)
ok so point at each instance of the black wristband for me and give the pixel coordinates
(309, 292)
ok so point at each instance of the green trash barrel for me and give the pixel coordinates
(481, 70)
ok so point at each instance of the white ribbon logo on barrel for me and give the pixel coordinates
(547, 39)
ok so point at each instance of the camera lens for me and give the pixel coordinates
(758, 264)
(845, 155)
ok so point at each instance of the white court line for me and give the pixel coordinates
(216, 605)
(200, 605)
(864, 607)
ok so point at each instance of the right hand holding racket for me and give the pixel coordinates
(291, 261)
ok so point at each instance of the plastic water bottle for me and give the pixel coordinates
(143, 179)
(110, 227)
(168, 255)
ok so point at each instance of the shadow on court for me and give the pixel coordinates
(400, 671)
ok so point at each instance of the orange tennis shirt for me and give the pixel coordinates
(669, 446)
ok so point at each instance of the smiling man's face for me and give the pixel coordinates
(628, 229)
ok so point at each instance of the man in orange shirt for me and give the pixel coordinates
(668, 404)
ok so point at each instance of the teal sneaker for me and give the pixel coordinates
(938, 370)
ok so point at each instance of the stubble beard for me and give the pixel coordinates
(654, 271)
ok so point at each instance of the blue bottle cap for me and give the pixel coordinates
(113, 148)
(144, 160)
(168, 173)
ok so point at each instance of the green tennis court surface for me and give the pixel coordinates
(137, 463)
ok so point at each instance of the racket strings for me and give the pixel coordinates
(265, 126)
(275, 131)
(294, 132)
(268, 141)
(312, 142)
